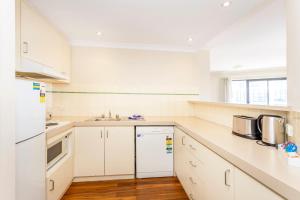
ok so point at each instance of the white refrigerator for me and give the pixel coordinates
(30, 140)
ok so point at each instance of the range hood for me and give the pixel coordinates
(38, 71)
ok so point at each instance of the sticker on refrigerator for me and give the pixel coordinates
(42, 94)
(169, 145)
(36, 86)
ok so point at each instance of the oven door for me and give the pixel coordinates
(56, 151)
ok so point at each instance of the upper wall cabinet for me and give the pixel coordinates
(42, 48)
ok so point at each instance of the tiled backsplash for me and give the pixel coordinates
(74, 104)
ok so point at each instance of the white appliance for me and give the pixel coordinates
(154, 151)
(57, 150)
(30, 141)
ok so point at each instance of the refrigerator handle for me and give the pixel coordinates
(182, 140)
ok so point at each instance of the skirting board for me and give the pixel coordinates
(102, 178)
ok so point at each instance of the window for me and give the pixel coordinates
(259, 91)
(239, 92)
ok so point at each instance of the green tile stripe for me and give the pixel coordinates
(123, 93)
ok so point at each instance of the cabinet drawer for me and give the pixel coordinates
(195, 148)
(192, 177)
(196, 187)
(59, 181)
(195, 166)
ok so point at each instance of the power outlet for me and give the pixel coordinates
(289, 130)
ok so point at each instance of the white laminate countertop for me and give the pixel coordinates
(265, 164)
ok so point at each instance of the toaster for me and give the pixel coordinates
(246, 127)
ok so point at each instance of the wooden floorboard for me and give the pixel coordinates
(133, 189)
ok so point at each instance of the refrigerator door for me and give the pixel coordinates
(150, 147)
(31, 169)
(30, 109)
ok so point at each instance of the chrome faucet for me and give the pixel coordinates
(109, 114)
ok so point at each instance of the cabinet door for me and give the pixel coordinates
(41, 43)
(179, 138)
(59, 181)
(72, 152)
(219, 177)
(119, 150)
(246, 188)
(89, 151)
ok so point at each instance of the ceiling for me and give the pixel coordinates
(144, 24)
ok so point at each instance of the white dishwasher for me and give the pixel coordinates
(154, 151)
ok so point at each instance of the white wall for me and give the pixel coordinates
(256, 41)
(7, 68)
(125, 70)
(293, 56)
(212, 86)
(172, 78)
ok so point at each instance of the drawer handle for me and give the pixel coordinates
(192, 164)
(227, 172)
(25, 47)
(101, 134)
(191, 197)
(193, 148)
(192, 181)
(182, 140)
(52, 185)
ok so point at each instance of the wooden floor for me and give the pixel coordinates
(140, 189)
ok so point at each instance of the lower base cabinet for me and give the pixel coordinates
(59, 181)
(247, 188)
(104, 151)
(206, 176)
(60, 176)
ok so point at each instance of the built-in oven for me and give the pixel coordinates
(57, 150)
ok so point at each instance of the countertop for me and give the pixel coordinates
(265, 164)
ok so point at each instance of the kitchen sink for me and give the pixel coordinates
(97, 119)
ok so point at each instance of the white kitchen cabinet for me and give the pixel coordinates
(247, 188)
(201, 171)
(219, 177)
(188, 169)
(103, 151)
(59, 181)
(89, 151)
(40, 43)
(179, 138)
(61, 175)
(119, 150)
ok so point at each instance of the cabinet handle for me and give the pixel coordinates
(192, 164)
(106, 134)
(52, 185)
(227, 172)
(101, 134)
(192, 181)
(193, 148)
(25, 47)
(191, 196)
(182, 140)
